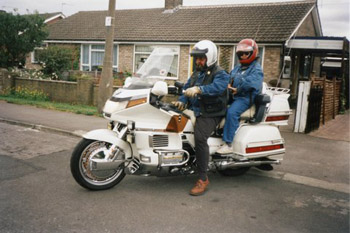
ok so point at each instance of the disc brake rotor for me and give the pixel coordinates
(96, 150)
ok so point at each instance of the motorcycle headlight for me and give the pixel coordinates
(114, 106)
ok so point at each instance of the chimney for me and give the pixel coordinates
(171, 4)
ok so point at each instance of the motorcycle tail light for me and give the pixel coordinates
(263, 148)
(135, 102)
(277, 118)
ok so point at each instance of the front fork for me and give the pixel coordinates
(125, 133)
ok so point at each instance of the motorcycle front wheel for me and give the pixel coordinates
(84, 175)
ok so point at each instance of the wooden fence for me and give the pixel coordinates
(331, 97)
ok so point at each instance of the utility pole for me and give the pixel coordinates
(106, 83)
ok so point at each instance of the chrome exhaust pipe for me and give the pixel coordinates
(226, 165)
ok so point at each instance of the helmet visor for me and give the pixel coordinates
(244, 53)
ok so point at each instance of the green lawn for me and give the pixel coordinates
(78, 109)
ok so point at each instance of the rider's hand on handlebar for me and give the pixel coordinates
(181, 106)
(192, 92)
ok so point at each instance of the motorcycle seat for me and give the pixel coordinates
(245, 116)
(248, 114)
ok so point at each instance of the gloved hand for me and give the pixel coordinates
(181, 106)
(192, 92)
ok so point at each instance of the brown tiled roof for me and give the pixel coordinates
(270, 22)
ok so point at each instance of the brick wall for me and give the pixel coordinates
(29, 64)
(184, 63)
(5, 81)
(126, 57)
(307, 28)
(272, 61)
(80, 92)
(225, 57)
(59, 91)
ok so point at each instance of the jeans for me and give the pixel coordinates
(202, 130)
(233, 115)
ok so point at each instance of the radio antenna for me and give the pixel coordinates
(256, 33)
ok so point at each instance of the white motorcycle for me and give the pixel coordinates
(146, 136)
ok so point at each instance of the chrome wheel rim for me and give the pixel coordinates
(95, 150)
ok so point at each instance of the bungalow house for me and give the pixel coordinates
(179, 27)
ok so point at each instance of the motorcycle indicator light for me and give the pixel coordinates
(145, 159)
(130, 124)
(263, 148)
(110, 125)
(277, 118)
(135, 102)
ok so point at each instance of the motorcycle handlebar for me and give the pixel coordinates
(177, 89)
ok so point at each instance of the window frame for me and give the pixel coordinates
(32, 54)
(148, 53)
(96, 50)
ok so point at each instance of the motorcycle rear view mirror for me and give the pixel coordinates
(160, 88)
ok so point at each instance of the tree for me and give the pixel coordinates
(106, 83)
(20, 34)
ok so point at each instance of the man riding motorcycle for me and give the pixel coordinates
(205, 94)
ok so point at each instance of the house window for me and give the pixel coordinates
(287, 67)
(92, 57)
(260, 60)
(142, 52)
(34, 55)
(305, 66)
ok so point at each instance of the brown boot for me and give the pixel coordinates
(199, 187)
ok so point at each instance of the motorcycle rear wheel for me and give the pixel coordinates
(234, 171)
(83, 175)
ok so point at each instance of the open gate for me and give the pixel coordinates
(314, 108)
(308, 112)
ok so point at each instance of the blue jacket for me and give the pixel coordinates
(216, 88)
(247, 80)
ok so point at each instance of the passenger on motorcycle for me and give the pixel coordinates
(205, 94)
(246, 82)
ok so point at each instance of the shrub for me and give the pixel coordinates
(32, 74)
(55, 60)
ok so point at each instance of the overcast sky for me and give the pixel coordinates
(334, 14)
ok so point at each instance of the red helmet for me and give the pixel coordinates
(248, 46)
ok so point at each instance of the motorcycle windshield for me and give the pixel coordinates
(158, 66)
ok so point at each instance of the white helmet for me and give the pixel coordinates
(206, 48)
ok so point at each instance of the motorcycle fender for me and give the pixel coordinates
(109, 136)
(265, 140)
